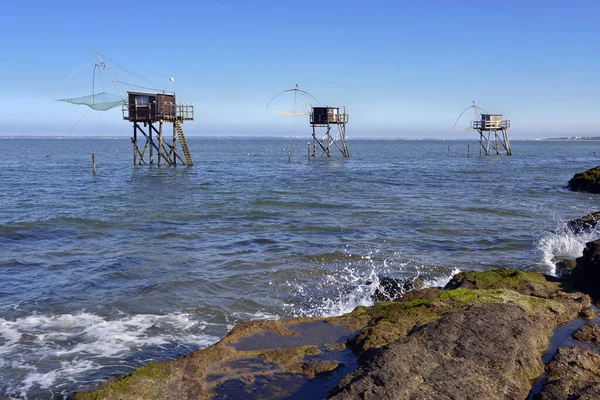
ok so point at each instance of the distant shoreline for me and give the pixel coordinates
(61, 137)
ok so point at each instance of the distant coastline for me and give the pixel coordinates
(64, 137)
(574, 138)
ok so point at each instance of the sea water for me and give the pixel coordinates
(101, 274)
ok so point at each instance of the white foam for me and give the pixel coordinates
(257, 316)
(442, 281)
(41, 350)
(563, 244)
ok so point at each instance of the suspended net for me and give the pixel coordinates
(100, 101)
(301, 102)
(290, 113)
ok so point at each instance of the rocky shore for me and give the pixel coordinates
(489, 334)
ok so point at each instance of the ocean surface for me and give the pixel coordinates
(101, 274)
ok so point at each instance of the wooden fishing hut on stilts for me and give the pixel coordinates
(488, 126)
(326, 118)
(149, 112)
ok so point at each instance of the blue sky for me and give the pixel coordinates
(402, 69)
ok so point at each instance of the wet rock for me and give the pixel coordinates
(587, 313)
(586, 274)
(588, 333)
(584, 224)
(454, 342)
(564, 268)
(491, 351)
(393, 288)
(573, 373)
(422, 294)
(588, 181)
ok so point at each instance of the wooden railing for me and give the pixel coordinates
(168, 111)
(490, 125)
(325, 119)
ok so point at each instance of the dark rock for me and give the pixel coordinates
(586, 274)
(573, 373)
(565, 267)
(489, 352)
(588, 181)
(584, 224)
(588, 333)
(393, 288)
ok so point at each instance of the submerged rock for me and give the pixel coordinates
(573, 373)
(588, 181)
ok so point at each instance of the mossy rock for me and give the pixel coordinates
(527, 283)
(588, 181)
(373, 328)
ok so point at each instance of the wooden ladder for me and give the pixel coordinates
(184, 146)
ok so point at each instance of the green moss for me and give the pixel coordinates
(154, 372)
(530, 283)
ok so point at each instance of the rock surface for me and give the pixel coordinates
(433, 343)
(588, 181)
(491, 351)
(573, 373)
(588, 333)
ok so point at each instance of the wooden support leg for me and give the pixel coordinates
(134, 141)
(151, 143)
(160, 142)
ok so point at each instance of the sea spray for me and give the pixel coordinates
(562, 244)
(354, 283)
(78, 345)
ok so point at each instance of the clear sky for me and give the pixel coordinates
(403, 69)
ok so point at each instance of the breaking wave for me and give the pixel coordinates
(75, 346)
(563, 244)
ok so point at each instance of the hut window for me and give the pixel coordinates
(142, 100)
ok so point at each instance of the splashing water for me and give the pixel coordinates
(355, 283)
(563, 244)
(80, 343)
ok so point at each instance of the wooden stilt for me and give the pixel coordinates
(135, 147)
(152, 145)
(160, 139)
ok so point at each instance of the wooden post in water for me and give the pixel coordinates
(94, 164)
(448, 151)
(468, 151)
(289, 157)
(309, 152)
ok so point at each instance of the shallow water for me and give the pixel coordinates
(100, 274)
